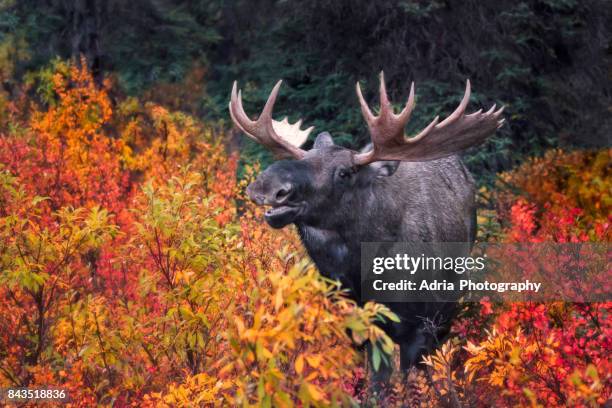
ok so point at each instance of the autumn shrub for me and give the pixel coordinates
(134, 273)
(561, 197)
(534, 354)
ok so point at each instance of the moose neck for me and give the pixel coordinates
(333, 241)
(331, 253)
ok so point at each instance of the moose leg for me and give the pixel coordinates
(379, 378)
(411, 351)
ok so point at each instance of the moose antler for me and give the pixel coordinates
(282, 137)
(454, 134)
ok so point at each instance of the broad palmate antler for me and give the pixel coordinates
(454, 134)
(282, 137)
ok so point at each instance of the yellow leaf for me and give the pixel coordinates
(299, 364)
(314, 392)
(314, 361)
(278, 302)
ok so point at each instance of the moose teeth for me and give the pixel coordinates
(278, 210)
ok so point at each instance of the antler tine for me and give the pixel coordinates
(404, 115)
(237, 113)
(241, 108)
(460, 109)
(264, 129)
(454, 134)
(233, 103)
(269, 106)
(424, 132)
(384, 99)
(387, 126)
(365, 109)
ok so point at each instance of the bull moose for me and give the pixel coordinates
(398, 189)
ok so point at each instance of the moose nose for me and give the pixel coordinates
(262, 194)
(254, 193)
(282, 194)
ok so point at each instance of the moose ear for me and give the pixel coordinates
(385, 168)
(380, 168)
(323, 139)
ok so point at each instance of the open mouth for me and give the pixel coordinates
(279, 216)
(280, 210)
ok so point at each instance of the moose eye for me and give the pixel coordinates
(343, 173)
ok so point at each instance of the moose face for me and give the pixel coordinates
(311, 188)
(305, 190)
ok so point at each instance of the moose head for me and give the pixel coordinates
(312, 187)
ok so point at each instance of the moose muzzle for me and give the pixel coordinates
(277, 196)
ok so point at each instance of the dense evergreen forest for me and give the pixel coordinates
(548, 61)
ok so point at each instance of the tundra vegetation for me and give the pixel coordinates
(135, 272)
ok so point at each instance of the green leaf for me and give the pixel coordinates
(376, 357)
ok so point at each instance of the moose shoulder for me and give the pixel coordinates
(400, 189)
